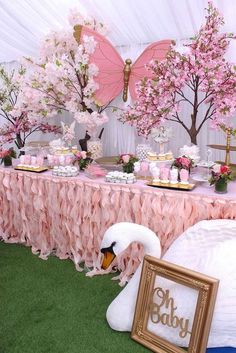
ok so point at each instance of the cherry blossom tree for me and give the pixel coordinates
(18, 126)
(200, 76)
(62, 78)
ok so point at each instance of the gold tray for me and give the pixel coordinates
(186, 187)
(35, 170)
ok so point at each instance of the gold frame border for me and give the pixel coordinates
(206, 286)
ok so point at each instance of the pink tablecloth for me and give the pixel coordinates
(68, 216)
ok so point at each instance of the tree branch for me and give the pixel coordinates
(207, 116)
(179, 121)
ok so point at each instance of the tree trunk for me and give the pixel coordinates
(19, 142)
(193, 130)
(193, 138)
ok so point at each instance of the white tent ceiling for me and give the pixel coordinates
(23, 23)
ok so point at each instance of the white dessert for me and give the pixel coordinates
(156, 180)
(120, 177)
(165, 181)
(67, 171)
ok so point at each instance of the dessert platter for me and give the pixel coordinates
(31, 168)
(31, 164)
(169, 185)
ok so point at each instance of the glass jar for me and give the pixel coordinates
(7, 161)
(94, 146)
(221, 186)
(142, 151)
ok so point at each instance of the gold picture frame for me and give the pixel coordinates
(160, 302)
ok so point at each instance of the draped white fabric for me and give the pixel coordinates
(132, 25)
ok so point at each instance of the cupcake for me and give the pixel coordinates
(161, 156)
(152, 156)
(169, 155)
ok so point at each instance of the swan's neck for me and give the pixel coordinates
(150, 242)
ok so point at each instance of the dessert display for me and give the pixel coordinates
(60, 154)
(31, 163)
(120, 177)
(67, 171)
(60, 159)
(170, 178)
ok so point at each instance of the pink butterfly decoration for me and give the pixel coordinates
(115, 75)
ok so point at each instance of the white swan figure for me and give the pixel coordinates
(116, 239)
(208, 247)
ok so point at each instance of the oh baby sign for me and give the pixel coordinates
(174, 308)
(163, 310)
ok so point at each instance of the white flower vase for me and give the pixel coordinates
(94, 146)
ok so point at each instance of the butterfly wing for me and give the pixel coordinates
(155, 51)
(110, 64)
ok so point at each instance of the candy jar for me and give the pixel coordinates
(142, 151)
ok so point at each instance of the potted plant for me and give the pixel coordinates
(220, 176)
(6, 157)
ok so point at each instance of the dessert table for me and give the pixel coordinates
(68, 216)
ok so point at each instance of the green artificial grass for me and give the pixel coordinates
(49, 307)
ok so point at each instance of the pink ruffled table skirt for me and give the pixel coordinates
(68, 216)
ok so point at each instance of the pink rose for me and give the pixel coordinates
(216, 168)
(126, 158)
(185, 162)
(224, 169)
(78, 155)
(84, 154)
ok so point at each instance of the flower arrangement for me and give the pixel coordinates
(6, 156)
(183, 162)
(83, 158)
(220, 173)
(127, 160)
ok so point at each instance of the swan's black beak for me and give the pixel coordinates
(108, 257)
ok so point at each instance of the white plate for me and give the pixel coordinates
(205, 164)
(198, 177)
